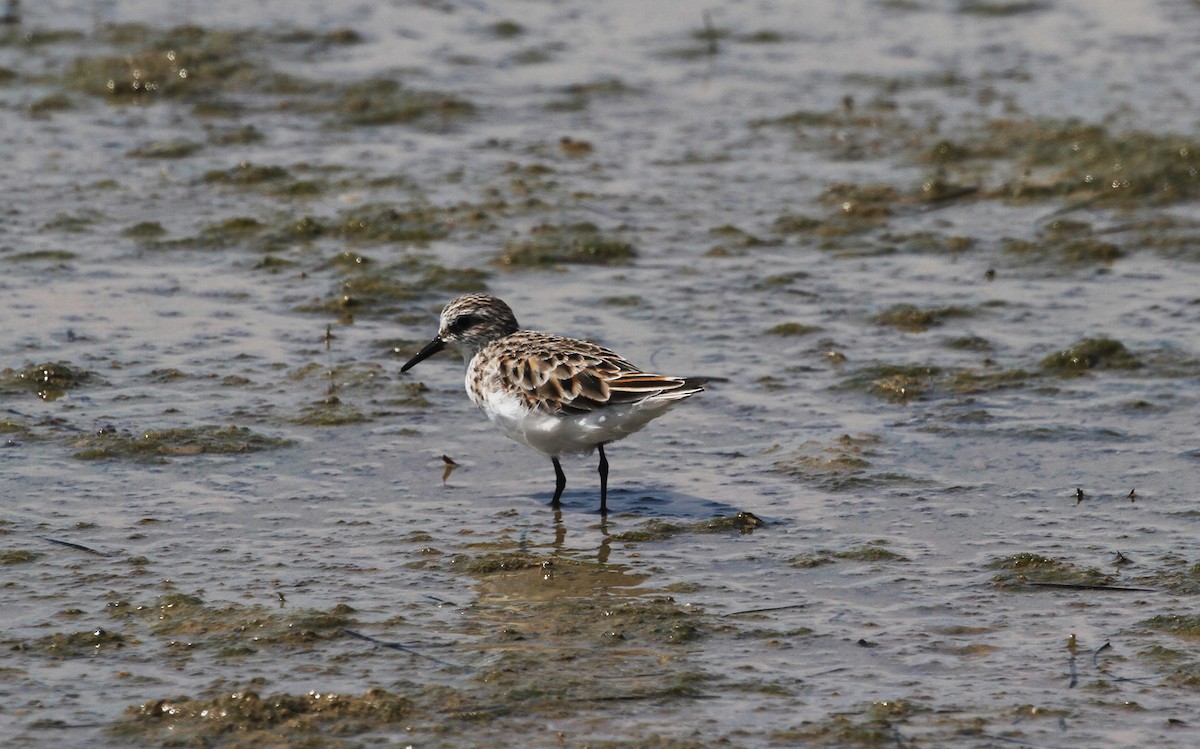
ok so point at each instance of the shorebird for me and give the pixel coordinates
(554, 394)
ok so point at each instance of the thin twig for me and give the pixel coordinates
(1085, 586)
(1096, 662)
(769, 608)
(402, 649)
(73, 545)
(710, 34)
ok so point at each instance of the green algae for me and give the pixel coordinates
(192, 63)
(656, 619)
(506, 29)
(1115, 169)
(873, 552)
(1180, 625)
(236, 136)
(79, 644)
(144, 230)
(735, 241)
(782, 281)
(330, 411)
(913, 319)
(1089, 354)
(374, 223)
(72, 223)
(387, 289)
(553, 622)
(379, 223)
(180, 441)
(1173, 574)
(1056, 160)
(834, 467)
(969, 343)
(535, 55)
(901, 383)
(630, 300)
(410, 395)
(209, 61)
(1067, 243)
(385, 101)
(178, 148)
(658, 530)
(592, 620)
(851, 132)
(583, 243)
(740, 522)
(986, 381)
(898, 383)
(873, 725)
(231, 231)
(48, 381)
(1000, 8)
(524, 684)
(189, 621)
(1169, 235)
(361, 380)
(221, 72)
(793, 223)
(246, 174)
(599, 87)
(929, 242)
(18, 556)
(579, 96)
(858, 208)
(1089, 163)
(490, 564)
(653, 530)
(44, 106)
(273, 264)
(704, 42)
(365, 225)
(790, 329)
(9, 425)
(803, 118)
(1084, 251)
(763, 36)
(1186, 676)
(301, 189)
(36, 256)
(243, 718)
(1026, 568)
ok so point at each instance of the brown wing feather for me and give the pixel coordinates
(565, 375)
(635, 386)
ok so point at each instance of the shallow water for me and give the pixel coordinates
(191, 259)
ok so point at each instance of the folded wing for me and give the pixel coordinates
(564, 375)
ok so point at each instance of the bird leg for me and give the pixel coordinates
(603, 481)
(560, 481)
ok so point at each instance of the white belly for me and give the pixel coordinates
(553, 434)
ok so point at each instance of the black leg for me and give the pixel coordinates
(560, 481)
(603, 482)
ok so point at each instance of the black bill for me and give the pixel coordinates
(431, 348)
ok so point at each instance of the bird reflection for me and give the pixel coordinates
(560, 536)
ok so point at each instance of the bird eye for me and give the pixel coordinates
(464, 322)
